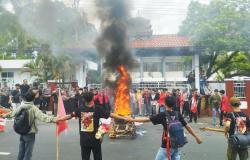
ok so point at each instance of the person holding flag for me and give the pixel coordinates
(27, 140)
(89, 116)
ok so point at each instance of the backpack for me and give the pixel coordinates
(241, 138)
(22, 125)
(174, 133)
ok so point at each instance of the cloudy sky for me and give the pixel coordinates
(166, 15)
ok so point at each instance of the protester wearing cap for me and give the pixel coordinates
(236, 122)
(215, 102)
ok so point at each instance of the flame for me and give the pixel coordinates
(122, 97)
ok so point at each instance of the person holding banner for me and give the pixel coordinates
(89, 116)
(27, 141)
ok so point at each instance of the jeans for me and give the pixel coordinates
(133, 108)
(162, 109)
(86, 151)
(153, 108)
(215, 111)
(222, 115)
(26, 146)
(193, 115)
(175, 154)
(146, 110)
(186, 109)
(233, 152)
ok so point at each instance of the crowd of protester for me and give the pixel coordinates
(147, 102)
(143, 102)
(147, 105)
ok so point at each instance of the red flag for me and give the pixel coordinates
(62, 125)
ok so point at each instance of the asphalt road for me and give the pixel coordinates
(144, 147)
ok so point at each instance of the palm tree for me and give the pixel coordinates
(49, 67)
(62, 66)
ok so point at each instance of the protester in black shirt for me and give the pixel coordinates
(55, 101)
(38, 98)
(154, 97)
(243, 125)
(89, 116)
(4, 100)
(24, 87)
(161, 119)
(77, 96)
(16, 97)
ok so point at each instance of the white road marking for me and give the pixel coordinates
(5, 153)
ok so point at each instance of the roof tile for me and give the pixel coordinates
(161, 41)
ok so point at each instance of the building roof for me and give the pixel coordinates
(13, 64)
(161, 41)
(155, 41)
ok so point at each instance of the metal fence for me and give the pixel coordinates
(153, 85)
(240, 89)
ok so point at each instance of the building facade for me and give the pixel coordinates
(165, 58)
(12, 72)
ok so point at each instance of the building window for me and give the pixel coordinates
(7, 76)
(240, 89)
(177, 66)
(151, 66)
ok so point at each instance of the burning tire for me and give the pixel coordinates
(121, 128)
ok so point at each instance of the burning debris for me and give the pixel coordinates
(122, 106)
(113, 47)
(122, 97)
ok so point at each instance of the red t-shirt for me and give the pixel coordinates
(225, 104)
(162, 98)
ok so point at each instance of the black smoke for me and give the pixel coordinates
(113, 43)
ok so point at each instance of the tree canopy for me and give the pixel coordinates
(46, 27)
(222, 29)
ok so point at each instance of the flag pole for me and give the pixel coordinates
(57, 136)
(57, 144)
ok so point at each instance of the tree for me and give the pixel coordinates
(239, 66)
(222, 28)
(14, 41)
(48, 66)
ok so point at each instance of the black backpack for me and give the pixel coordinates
(175, 131)
(239, 140)
(22, 125)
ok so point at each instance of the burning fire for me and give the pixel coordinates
(122, 97)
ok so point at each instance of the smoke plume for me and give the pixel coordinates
(53, 23)
(113, 43)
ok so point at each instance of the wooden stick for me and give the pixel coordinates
(57, 145)
(212, 129)
(57, 136)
